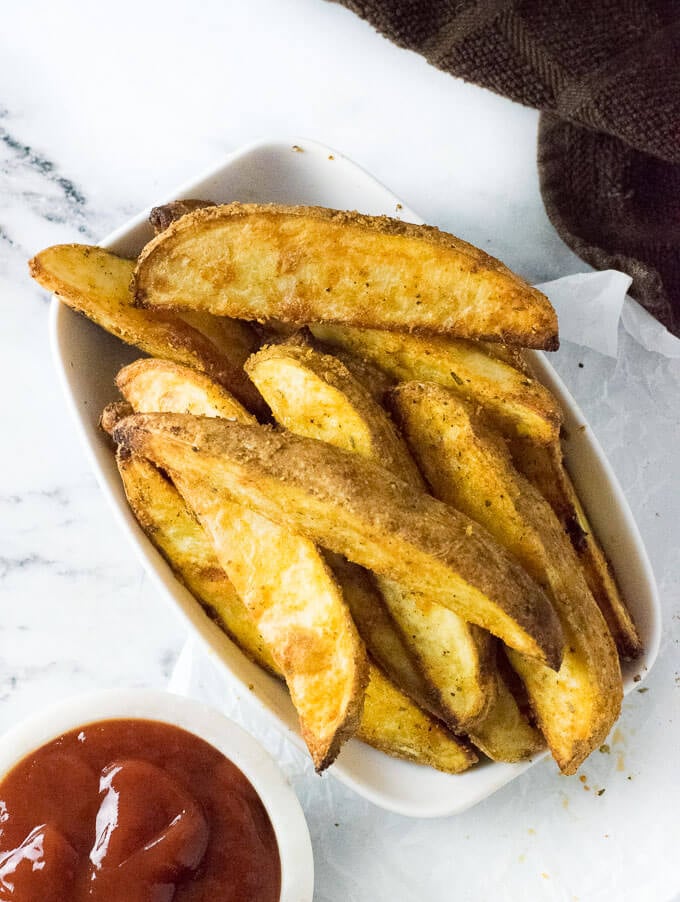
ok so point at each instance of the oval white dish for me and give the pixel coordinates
(87, 359)
(283, 808)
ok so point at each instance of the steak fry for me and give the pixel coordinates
(312, 264)
(576, 705)
(356, 508)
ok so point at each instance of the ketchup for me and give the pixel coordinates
(134, 811)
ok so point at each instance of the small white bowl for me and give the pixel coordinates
(283, 808)
(297, 171)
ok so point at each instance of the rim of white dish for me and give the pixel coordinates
(281, 803)
(358, 767)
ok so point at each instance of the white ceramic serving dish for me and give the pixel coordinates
(87, 359)
(283, 808)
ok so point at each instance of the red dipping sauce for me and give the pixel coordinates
(134, 811)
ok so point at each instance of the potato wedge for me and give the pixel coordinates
(96, 283)
(356, 508)
(152, 385)
(162, 514)
(309, 632)
(311, 264)
(510, 400)
(466, 673)
(544, 467)
(577, 705)
(505, 734)
(307, 627)
(392, 723)
(314, 395)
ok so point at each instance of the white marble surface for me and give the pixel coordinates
(103, 109)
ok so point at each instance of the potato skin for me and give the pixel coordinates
(163, 515)
(164, 215)
(358, 509)
(313, 264)
(471, 469)
(392, 723)
(96, 283)
(544, 467)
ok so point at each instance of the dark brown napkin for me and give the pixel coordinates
(606, 76)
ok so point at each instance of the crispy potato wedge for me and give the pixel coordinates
(96, 283)
(505, 734)
(393, 724)
(151, 385)
(389, 721)
(356, 508)
(311, 264)
(314, 395)
(544, 467)
(162, 514)
(299, 610)
(510, 400)
(577, 705)
(499, 728)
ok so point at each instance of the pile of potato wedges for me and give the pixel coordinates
(338, 444)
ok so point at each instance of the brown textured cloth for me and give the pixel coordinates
(606, 76)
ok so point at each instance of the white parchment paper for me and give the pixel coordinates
(611, 834)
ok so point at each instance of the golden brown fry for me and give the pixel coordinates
(544, 467)
(505, 734)
(314, 395)
(356, 508)
(152, 385)
(508, 399)
(162, 514)
(96, 283)
(394, 724)
(311, 264)
(577, 705)
(309, 631)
